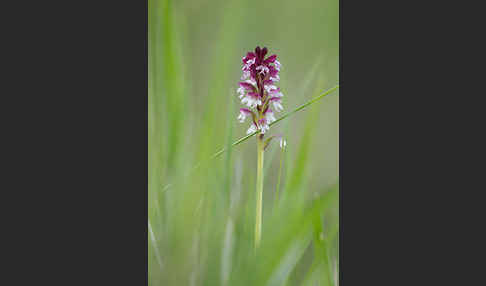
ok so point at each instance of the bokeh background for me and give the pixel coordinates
(201, 212)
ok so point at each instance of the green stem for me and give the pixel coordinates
(259, 192)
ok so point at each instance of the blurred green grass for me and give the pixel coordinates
(201, 229)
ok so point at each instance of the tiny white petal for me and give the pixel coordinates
(270, 117)
(262, 69)
(278, 107)
(251, 81)
(275, 92)
(245, 75)
(241, 91)
(283, 143)
(251, 129)
(251, 101)
(264, 128)
(269, 87)
(241, 117)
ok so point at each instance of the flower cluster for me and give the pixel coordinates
(257, 90)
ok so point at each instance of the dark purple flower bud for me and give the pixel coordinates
(257, 51)
(249, 56)
(247, 86)
(264, 52)
(270, 59)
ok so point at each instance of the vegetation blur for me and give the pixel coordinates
(201, 221)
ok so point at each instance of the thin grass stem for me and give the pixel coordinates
(243, 139)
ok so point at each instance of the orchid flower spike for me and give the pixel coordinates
(257, 90)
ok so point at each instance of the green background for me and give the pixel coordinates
(201, 221)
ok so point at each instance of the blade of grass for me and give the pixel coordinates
(319, 272)
(154, 243)
(281, 273)
(173, 87)
(243, 139)
(298, 225)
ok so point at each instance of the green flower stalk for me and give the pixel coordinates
(259, 190)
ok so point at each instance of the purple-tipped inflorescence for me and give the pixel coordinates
(258, 91)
